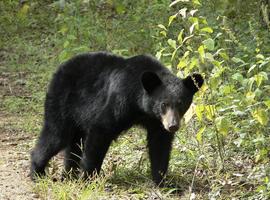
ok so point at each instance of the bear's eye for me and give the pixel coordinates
(163, 106)
(179, 103)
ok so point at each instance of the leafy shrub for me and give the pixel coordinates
(232, 109)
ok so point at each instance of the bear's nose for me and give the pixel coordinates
(173, 128)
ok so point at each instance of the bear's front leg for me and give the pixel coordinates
(95, 149)
(159, 144)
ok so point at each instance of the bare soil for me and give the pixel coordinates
(15, 146)
(14, 164)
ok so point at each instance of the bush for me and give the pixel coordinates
(232, 109)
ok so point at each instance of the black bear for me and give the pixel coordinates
(93, 97)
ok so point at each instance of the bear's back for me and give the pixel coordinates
(84, 69)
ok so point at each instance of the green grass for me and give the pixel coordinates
(125, 175)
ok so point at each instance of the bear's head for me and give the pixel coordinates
(168, 98)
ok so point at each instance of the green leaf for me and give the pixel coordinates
(214, 82)
(258, 92)
(237, 60)
(237, 76)
(180, 36)
(172, 43)
(264, 63)
(250, 96)
(63, 29)
(217, 64)
(66, 44)
(162, 27)
(251, 68)
(182, 63)
(223, 125)
(224, 55)
(193, 63)
(199, 111)
(259, 78)
(23, 10)
(209, 44)
(71, 37)
(227, 89)
(196, 2)
(201, 53)
(120, 8)
(264, 75)
(209, 57)
(159, 54)
(267, 103)
(164, 33)
(64, 55)
(207, 30)
(210, 112)
(203, 21)
(186, 39)
(81, 49)
(194, 21)
(186, 54)
(173, 54)
(199, 134)
(171, 18)
(250, 83)
(188, 47)
(260, 56)
(261, 116)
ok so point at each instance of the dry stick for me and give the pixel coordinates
(220, 148)
(193, 178)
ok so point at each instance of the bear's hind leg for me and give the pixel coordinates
(73, 156)
(49, 144)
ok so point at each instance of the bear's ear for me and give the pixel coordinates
(150, 81)
(193, 82)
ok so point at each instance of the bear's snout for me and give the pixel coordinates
(173, 128)
(170, 120)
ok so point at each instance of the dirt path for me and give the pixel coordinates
(15, 144)
(14, 165)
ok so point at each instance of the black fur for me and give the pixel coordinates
(93, 97)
